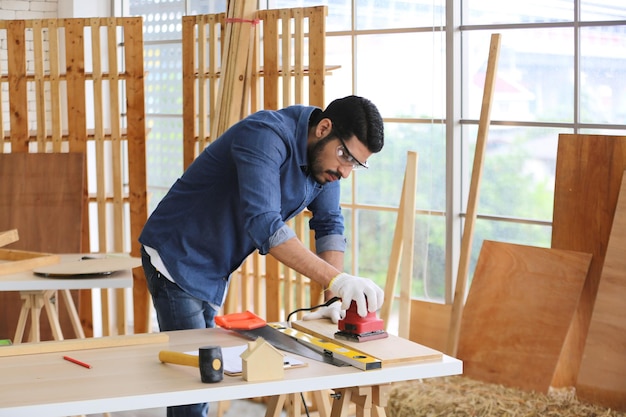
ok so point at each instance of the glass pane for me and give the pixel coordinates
(602, 81)
(387, 14)
(613, 132)
(339, 11)
(518, 171)
(535, 75)
(163, 65)
(161, 20)
(382, 183)
(484, 12)
(207, 7)
(404, 74)
(428, 259)
(596, 10)
(503, 231)
(338, 81)
(164, 152)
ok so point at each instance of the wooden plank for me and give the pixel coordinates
(473, 197)
(9, 236)
(270, 59)
(83, 344)
(40, 98)
(398, 242)
(14, 260)
(602, 376)
(429, 323)
(408, 244)
(18, 95)
(287, 51)
(392, 349)
(317, 55)
(137, 183)
(56, 104)
(99, 116)
(75, 73)
(189, 88)
(588, 178)
(299, 54)
(518, 311)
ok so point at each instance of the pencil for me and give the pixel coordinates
(77, 362)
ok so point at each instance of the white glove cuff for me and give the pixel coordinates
(337, 282)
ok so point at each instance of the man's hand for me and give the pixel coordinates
(332, 312)
(350, 288)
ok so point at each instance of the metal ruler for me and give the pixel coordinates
(355, 358)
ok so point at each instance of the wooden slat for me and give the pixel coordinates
(408, 244)
(40, 99)
(317, 54)
(298, 56)
(8, 236)
(397, 244)
(286, 55)
(473, 197)
(588, 177)
(116, 174)
(137, 183)
(270, 59)
(83, 344)
(189, 88)
(56, 107)
(18, 95)
(75, 72)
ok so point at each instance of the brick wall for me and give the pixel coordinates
(28, 9)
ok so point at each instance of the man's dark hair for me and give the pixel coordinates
(354, 115)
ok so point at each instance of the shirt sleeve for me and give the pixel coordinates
(258, 152)
(327, 220)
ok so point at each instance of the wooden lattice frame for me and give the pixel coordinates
(284, 73)
(77, 85)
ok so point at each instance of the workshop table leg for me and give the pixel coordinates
(53, 314)
(275, 405)
(74, 318)
(341, 402)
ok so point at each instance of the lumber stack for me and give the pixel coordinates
(236, 64)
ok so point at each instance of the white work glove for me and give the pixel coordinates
(351, 288)
(332, 312)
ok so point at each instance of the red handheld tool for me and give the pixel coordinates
(355, 328)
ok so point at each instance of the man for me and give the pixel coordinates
(235, 198)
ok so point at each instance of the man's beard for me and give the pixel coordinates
(314, 164)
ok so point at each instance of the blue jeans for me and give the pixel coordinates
(177, 310)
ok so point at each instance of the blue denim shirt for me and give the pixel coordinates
(235, 198)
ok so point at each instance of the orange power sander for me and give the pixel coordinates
(355, 328)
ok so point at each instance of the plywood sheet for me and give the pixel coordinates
(588, 177)
(430, 322)
(42, 197)
(84, 267)
(519, 308)
(602, 376)
(392, 349)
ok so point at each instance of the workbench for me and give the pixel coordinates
(132, 377)
(37, 291)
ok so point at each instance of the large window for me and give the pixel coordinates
(423, 63)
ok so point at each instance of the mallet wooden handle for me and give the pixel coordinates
(178, 358)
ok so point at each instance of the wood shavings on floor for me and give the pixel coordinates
(460, 396)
